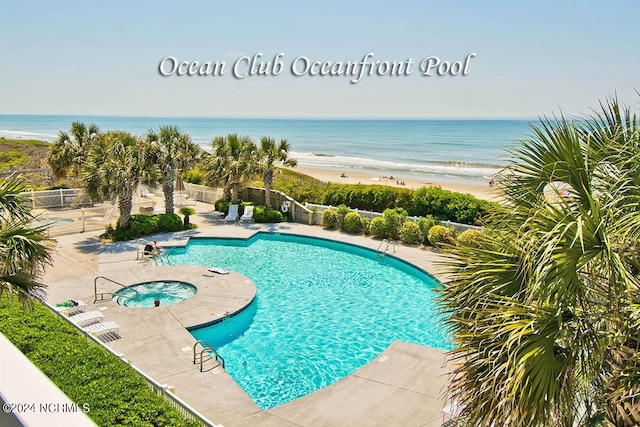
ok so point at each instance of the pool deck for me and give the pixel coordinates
(404, 386)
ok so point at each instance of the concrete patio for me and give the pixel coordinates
(403, 386)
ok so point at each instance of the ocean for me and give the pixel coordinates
(464, 151)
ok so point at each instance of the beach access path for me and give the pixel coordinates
(403, 386)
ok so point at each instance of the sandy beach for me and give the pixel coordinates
(479, 191)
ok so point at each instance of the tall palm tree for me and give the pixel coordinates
(115, 166)
(269, 154)
(24, 247)
(173, 152)
(544, 309)
(231, 163)
(68, 154)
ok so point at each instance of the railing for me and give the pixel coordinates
(102, 294)
(388, 243)
(205, 348)
(162, 390)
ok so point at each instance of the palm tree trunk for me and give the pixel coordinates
(268, 183)
(125, 204)
(167, 188)
(234, 192)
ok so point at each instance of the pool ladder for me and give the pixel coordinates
(387, 244)
(206, 348)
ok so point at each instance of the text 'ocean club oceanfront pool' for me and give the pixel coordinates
(323, 309)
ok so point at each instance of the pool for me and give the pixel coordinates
(55, 222)
(323, 309)
(142, 295)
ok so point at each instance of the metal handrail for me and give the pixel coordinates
(102, 294)
(386, 249)
(206, 347)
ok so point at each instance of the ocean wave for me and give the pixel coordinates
(440, 168)
(17, 134)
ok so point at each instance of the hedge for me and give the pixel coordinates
(434, 201)
(84, 371)
(144, 225)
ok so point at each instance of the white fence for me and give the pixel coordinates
(202, 193)
(60, 198)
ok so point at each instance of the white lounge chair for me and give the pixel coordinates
(102, 328)
(248, 214)
(233, 213)
(87, 318)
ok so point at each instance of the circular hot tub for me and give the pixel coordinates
(157, 292)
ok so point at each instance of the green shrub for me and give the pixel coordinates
(84, 371)
(378, 228)
(410, 233)
(365, 226)
(425, 224)
(144, 225)
(341, 211)
(394, 218)
(449, 205)
(470, 237)
(222, 206)
(262, 214)
(366, 197)
(168, 222)
(438, 235)
(352, 223)
(329, 218)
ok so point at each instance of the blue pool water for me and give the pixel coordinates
(323, 309)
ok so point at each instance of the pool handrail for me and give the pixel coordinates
(386, 249)
(102, 294)
(205, 347)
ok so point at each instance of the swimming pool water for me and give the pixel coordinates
(323, 309)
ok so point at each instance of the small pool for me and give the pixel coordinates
(145, 294)
(55, 222)
(323, 309)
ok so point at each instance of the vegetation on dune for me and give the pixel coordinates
(25, 154)
(544, 309)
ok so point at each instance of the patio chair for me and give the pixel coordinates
(248, 214)
(87, 318)
(102, 328)
(233, 213)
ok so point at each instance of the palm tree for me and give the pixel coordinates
(269, 154)
(115, 166)
(173, 152)
(68, 154)
(231, 163)
(544, 309)
(24, 247)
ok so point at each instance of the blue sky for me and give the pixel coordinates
(532, 58)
